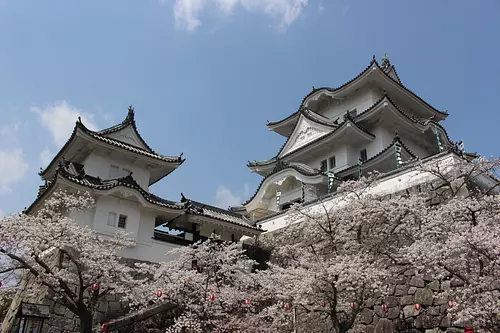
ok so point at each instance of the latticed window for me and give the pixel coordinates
(122, 221)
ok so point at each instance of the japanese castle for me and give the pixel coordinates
(373, 122)
(117, 167)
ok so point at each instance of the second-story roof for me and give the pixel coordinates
(80, 131)
(385, 69)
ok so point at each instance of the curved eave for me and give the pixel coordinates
(386, 153)
(81, 130)
(247, 229)
(347, 125)
(146, 198)
(318, 119)
(374, 67)
(262, 170)
(290, 170)
(282, 127)
(286, 126)
(386, 102)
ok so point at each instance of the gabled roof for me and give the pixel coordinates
(300, 168)
(81, 130)
(304, 124)
(128, 121)
(348, 123)
(388, 71)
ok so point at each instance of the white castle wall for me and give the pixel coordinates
(140, 226)
(98, 165)
(359, 100)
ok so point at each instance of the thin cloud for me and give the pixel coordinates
(284, 12)
(13, 168)
(225, 198)
(59, 119)
(45, 157)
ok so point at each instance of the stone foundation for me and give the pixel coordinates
(401, 316)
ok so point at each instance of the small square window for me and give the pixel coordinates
(332, 162)
(363, 155)
(112, 219)
(323, 166)
(122, 221)
(114, 171)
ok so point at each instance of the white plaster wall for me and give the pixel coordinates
(271, 204)
(360, 100)
(383, 138)
(396, 182)
(107, 204)
(98, 165)
(154, 251)
(340, 153)
(415, 147)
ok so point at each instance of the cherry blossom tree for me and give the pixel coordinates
(213, 289)
(72, 265)
(458, 239)
(330, 263)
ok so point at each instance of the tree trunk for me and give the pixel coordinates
(85, 322)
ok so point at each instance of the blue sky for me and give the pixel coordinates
(205, 75)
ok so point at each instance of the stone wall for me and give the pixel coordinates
(401, 315)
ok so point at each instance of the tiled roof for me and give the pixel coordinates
(129, 120)
(299, 167)
(348, 120)
(311, 115)
(337, 128)
(80, 126)
(198, 208)
(408, 116)
(74, 173)
(127, 181)
(120, 144)
(373, 62)
(261, 163)
(272, 123)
